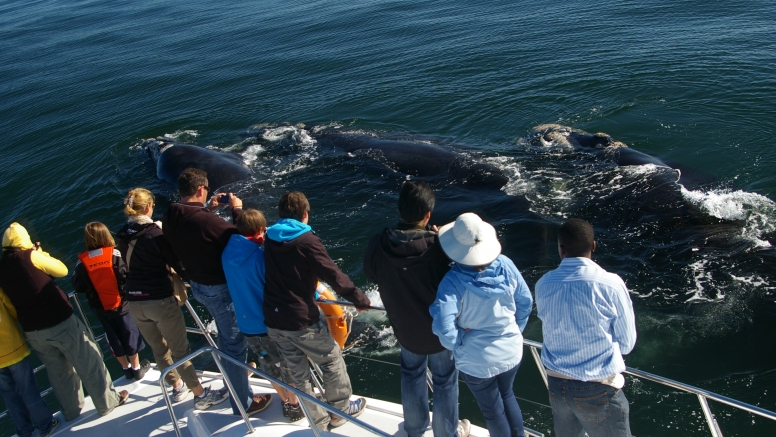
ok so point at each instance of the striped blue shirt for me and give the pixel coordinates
(587, 320)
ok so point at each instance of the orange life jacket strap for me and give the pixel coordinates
(99, 266)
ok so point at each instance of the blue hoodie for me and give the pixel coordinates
(243, 262)
(287, 229)
(494, 305)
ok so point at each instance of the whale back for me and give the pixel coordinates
(222, 168)
(419, 158)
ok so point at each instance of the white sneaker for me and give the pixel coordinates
(210, 398)
(464, 428)
(180, 393)
(355, 408)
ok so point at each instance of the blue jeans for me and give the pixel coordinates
(592, 407)
(22, 398)
(497, 402)
(414, 393)
(231, 341)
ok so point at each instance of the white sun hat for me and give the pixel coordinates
(470, 241)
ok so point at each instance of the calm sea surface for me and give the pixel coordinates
(82, 83)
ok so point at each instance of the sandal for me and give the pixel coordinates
(123, 396)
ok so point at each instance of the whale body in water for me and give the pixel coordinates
(173, 158)
(416, 158)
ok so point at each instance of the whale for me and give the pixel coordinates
(601, 142)
(417, 158)
(173, 158)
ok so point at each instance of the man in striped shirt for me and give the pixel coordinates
(588, 324)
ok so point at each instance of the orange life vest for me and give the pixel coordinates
(99, 266)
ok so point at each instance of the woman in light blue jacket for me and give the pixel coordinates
(481, 308)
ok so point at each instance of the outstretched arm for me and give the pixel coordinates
(624, 325)
(444, 312)
(523, 302)
(49, 265)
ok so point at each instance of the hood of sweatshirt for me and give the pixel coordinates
(488, 284)
(239, 250)
(287, 229)
(133, 231)
(404, 247)
(16, 236)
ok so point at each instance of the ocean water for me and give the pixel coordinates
(83, 83)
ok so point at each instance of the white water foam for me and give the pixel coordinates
(182, 133)
(251, 153)
(756, 211)
(700, 277)
(298, 134)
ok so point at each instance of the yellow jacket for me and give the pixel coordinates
(12, 346)
(17, 236)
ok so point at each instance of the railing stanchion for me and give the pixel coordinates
(228, 383)
(538, 360)
(201, 325)
(74, 298)
(710, 420)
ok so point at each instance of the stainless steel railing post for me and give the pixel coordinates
(232, 392)
(74, 298)
(300, 394)
(710, 420)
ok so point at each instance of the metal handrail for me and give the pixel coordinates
(703, 395)
(218, 356)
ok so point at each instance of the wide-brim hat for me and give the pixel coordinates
(470, 241)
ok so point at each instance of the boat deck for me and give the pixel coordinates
(146, 414)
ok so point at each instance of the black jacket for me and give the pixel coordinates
(148, 277)
(407, 264)
(39, 302)
(198, 238)
(82, 283)
(292, 272)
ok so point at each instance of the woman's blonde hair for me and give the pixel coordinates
(97, 235)
(136, 201)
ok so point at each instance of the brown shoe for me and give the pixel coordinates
(123, 396)
(259, 404)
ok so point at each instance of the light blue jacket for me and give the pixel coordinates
(494, 305)
(243, 262)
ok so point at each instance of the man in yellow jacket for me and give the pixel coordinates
(17, 380)
(58, 336)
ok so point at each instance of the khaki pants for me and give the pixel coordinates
(71, 357)
(163, 328)
(316, 343)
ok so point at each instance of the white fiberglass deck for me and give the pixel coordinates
(145, 414)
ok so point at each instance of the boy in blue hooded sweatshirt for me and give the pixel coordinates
(481, 309)
(243, 262)
(295, 261)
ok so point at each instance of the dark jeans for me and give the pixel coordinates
(231, 341)
(123, 336)
(22, 398)
(414, 393)
(497, 401)
(578, 407)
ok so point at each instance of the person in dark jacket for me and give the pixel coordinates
(198, 238)
(100, 274)
(295, 260)
(58, 337)
(152, 305)
(407, 264)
